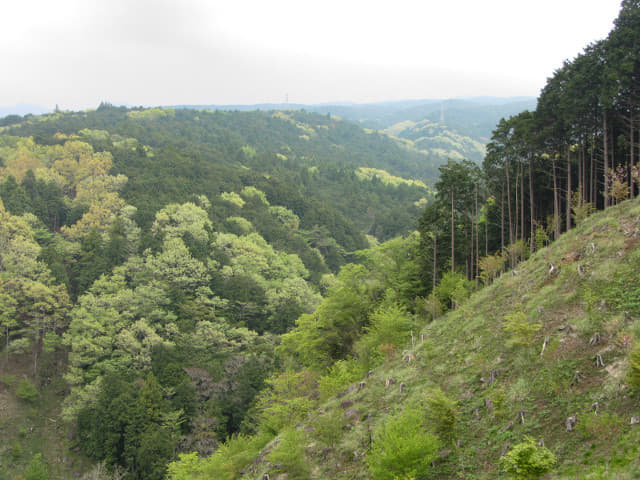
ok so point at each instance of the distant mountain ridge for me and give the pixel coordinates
(474, 117)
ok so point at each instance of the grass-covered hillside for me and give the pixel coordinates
(534, 369)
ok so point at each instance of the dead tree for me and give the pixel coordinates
(388, 382)
(595, 340)
(361, 385)
(599, 362)
(402, 387)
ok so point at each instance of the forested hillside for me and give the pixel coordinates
(150, 258)
(192, 294)
(445, 129)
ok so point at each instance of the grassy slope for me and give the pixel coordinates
(29, 427)
(594, 288)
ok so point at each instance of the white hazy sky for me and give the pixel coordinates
(77, 53)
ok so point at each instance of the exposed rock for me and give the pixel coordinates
(346, 404)
(635, 420)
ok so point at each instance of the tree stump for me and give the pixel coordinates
(570, 423)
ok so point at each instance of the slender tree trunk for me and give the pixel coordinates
(502, 220)
(472, 251)
(486, 236)
(477, 261)
(516, 206)
(631, 151)
(509, 202)
(522, 233)
(435, 256)
(605, 138)
(531, 219)
(453, 268)
(569, 186)
(466, 257)
(592, 174)
(556, 202)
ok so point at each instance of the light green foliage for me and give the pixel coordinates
(366, 173)
(329, 333)
(329, 427)
(388, 275)
(541, 237)
(634, 366)
(225, 464)
(438, 140)
(287, 400)
(233, 198)
(285, 216)
(32, 305)
(580, 209)
(402, 446)
(187, 467)
(431, 306)
(249, 151)
(279, 274)
(37, 469)
(26, 391)
(517, 252)
(151, 114)
(175, 220)
(175, 266)
(390, 324)
(453, 289)
(289, 455)
(527, 460)
(116, 325)
(442, 415)
(490, 267)
(341, 374)
(520, 329)
(239, 225)
(252, 192)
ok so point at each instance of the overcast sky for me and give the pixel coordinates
(77, 53)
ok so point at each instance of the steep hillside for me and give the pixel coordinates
(436, 140)
(542, 353)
